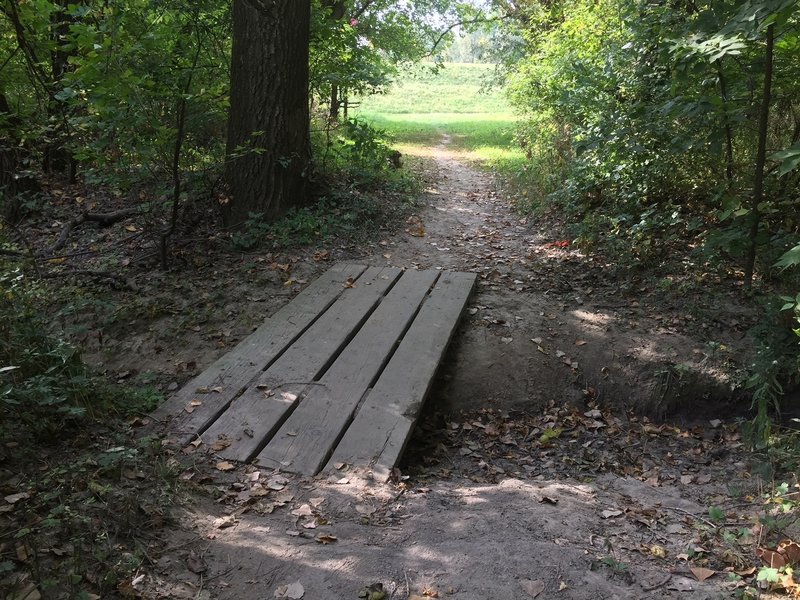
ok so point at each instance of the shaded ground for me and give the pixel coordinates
(549, 319)
(528, 476)
(513, 493)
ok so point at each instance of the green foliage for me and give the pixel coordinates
(654, 106)
(643, 122)
(126, 73)
(364, 151)
(44, 383)
(347, 215)
(42, 379)
(358, 47)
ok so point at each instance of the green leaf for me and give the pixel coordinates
(789, 159)
(768, 574)
(716, 514)
(789, 258)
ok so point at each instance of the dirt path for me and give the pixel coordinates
(528, 479)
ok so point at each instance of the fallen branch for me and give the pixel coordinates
(103, 219)
(63, 236)
(106, 219)
(655, 586)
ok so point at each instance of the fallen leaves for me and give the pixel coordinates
(415, 226)
(293, 591)
(532, 587)
(14, 498)
(701, 573)
(225, 522)
(195, 563)
(325, 539)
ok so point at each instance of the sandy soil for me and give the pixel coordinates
(612, 506)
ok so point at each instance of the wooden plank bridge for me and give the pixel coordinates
(338, 375)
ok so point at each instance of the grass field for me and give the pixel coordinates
(422, 106)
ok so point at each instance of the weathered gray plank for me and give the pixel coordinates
(380, 430)
(231, 372)
(255, 415)
(306, 438)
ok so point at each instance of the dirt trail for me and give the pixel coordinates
(495, 509)
(549, 323)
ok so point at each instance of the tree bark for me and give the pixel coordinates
(761, 158)
(334, 106)
(269, 147)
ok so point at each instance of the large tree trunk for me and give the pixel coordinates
(269, 145)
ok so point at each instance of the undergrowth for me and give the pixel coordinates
(45, 386)
(366, 189)
(78, 495)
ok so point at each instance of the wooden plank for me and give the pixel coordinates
(255, 415)
(305, 440)
(378, 434)
(231, 372)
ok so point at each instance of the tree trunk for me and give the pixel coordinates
(334, 107)
(761, 158)
(269, 145)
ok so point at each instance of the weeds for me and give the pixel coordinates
(45, 387)
(350, 216)
(82, 526)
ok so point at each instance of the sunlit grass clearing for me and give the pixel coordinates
(484, 138)
(456, 88)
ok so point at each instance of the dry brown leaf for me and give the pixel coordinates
(221, 444)
(701, 574)
(532, 587)
(658, 551)
(326, 538)
(224, 466)
(303, 511)
(133, 474)
(277, 483)
(258, 491)
(295, 591)
(28, 592)
(790, 551)
(195, 563)
(771, 558)
(225, 522)
(14, 498)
